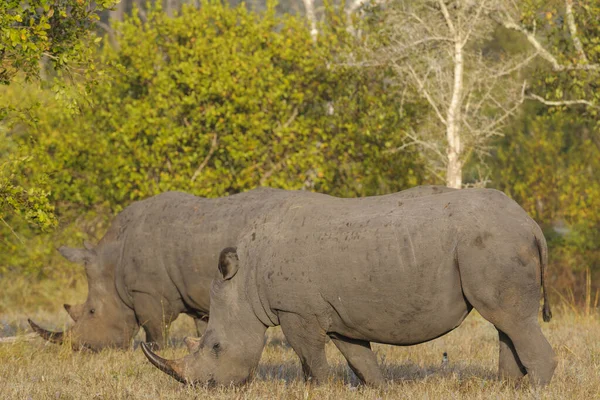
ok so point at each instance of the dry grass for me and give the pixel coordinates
(36, 370)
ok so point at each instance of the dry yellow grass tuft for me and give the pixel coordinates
(36, 370)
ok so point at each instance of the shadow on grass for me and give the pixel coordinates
(276, 341)
(411, 372)
(291, 371)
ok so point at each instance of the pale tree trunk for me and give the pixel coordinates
(309, 7)
(118, 13)
(436, 46)
(170, 6)
(141, 10)
(453, 114)
(453, 117)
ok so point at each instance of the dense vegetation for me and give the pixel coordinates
(220, 99)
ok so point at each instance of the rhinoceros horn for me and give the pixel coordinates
(192, 343)
(70, 310)
(170, 367)
(54, 337)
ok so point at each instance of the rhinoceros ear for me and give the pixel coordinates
(228, 263)
(79, 256)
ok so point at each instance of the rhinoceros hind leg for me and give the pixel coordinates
(502, 284)
(308, 339)
(509, 365)
(361, 359)
(535, 352)
(520, 324)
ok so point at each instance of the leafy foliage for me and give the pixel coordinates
(57, 29)
(549, 164)
(217, 101)
(31, 32)
(221, 100)
(550, 159)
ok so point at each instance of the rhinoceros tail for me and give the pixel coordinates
(543, 249)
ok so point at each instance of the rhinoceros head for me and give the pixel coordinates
(231, 347)
(103, 320)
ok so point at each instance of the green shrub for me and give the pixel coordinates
(213, 102)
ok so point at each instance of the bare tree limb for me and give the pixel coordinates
(446, 14)
(12, 230)
(573, 30)
(213, 147)
(434, 172)
(111, 33)
(472, 22)
(517, 67)
(271, 171)
(278, 165)
(561, 102)
(291, 119)
(420, 42)
(415, 141)
(507, 113)
(421, 87)
(545, 54)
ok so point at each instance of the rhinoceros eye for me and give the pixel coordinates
(216, 349)
(92, 311)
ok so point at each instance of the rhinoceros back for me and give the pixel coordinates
(170, 242)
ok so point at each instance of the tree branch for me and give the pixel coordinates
(12, 230)
(561, 102)
(573, 30)
(447, 17)
(509, 112)
(545, 54)
(421, 86)
(416, 142)
(213, 147)
(473, 22)
(111, 33)
(285, 158)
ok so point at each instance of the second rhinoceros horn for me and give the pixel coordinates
(54, 337)
(169, 367)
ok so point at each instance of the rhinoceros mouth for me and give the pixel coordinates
(169, 367)
(54, 337)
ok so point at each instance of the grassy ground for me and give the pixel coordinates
(32, 369)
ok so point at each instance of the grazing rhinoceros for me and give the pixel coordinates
(157, 260)
(383, 269)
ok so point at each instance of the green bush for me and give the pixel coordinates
(213, 102)
(549, 164)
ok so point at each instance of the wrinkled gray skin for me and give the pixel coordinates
(157, 260)
(382, 269)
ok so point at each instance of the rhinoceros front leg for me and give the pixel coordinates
(361, 359)
(308, 339)
(155, 315)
